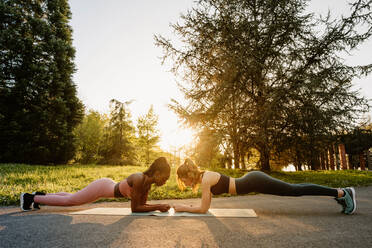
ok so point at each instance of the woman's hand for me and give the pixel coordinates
(164, 207)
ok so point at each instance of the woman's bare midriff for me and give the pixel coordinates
(125, 189)
(232, 188)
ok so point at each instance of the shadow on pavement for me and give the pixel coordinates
(54, 230)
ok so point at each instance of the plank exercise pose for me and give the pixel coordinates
(188, 174)
(136, 187)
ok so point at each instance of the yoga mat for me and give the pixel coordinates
(213, 212)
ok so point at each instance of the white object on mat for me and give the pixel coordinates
(213, 212)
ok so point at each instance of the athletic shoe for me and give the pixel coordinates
(26, 201)
(349, 200)
(35, 204)
(342, 202)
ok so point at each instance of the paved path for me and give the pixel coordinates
(282, 222)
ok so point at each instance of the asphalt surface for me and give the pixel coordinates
(282, 222)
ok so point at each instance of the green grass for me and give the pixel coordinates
(18, 178)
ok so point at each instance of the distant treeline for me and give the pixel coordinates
(113, 139)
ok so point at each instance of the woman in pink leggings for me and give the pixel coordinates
(136, 187)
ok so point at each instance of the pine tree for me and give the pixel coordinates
(89, 137)
(118, 142)
(148, 134)
(39, 107)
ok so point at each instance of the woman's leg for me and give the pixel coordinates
(60, 193)
(260, 182)
(103, 187)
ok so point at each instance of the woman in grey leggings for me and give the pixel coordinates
(188, 174)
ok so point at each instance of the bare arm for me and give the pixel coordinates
(144, 199)
(139, 197)
(204, 204)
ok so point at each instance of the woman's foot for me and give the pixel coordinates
(26, 201)
(347, 202)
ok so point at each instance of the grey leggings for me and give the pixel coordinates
(260, 182)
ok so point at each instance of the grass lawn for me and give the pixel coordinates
(18, 178)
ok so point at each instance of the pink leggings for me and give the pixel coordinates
(101, 188)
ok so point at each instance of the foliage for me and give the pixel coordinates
(98, 138)
(357, 141)
(148, 136)
(267, 75)
(89, 135)
(39, 107)
(207, 150)
(18, 178)
(119, 136)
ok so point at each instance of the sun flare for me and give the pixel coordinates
(178, 138)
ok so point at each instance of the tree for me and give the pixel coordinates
(258, 71)
(357, 141)
(118, 143)
(207, 151)
(89, 135)
(39, 107)
(148, 135)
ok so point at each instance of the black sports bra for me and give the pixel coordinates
(222, 186)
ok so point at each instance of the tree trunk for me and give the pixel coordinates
(362, 161)
(236, 155)
(317, 163)
(229, 162)
(242, 162)
(313, 163)
(331, 158)
(326, 160)
(236, 161)
(350, 161)
(265, 159)
(297, 165)
(341, 150)
(322, 161)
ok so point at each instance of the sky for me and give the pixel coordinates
(116, 58)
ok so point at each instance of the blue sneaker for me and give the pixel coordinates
(347, 202)
(350, 200)
(342, 202)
